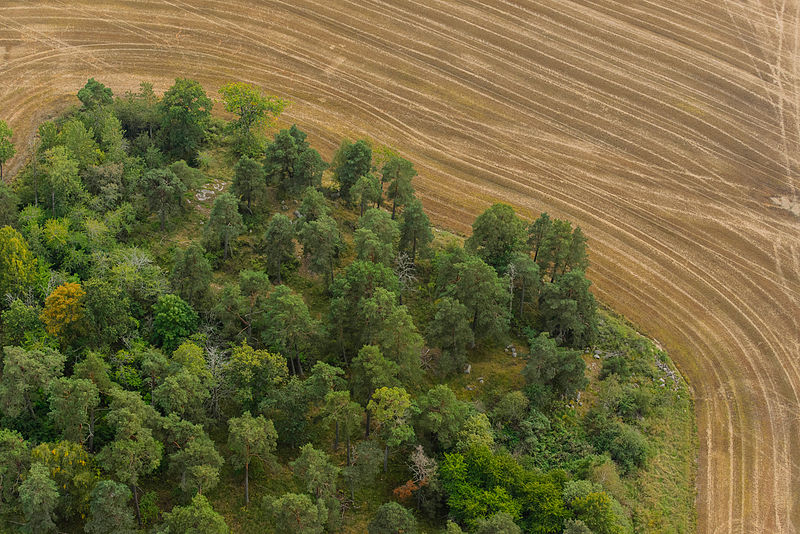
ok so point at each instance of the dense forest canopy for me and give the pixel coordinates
(208, 328)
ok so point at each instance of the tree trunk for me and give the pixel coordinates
(300, 366)
(369, 416)
(522, 299)
(136, 504)
(162, 217)
(474, 326)
(291, 361)
(331, 264)
(414, 249)
(349, 461)
(336, 439)
(394, 205)
(246, 483)
(1, 172)
(386, 459)
(53, 202)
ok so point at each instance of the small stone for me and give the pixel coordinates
(480, 379)
(297, 214)
(468, 369)
(470, 388)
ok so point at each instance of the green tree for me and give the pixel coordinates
(368, 372)
(392, 518)
(185, 110)
(7, 149)
(345, 415)
(27, 374)
(39, 495)
(197, 464)
(72, 470)
(248, 181)
(398, 172)
(21, 325)
(73, 402)
(497, 234)
(224, 225)
(164, 193)
(596, 511)
(365, 464)
(296, 513)
(61, 177)
(499, 523)
(138, 112)
(561, 370)
(322, 244)
(313, 205)
(251, 437)
(450, 332)
(555, 248)
(366, 190)
(525, 283)
(576, 526)
(415, 228)
(80, 143)
(291, 328)
(18, 266)
(316, 472)
(441, 416)
(95, 95)
(568, 309)
(278, 244)
(537, 232)
(173, 321)
(197, 518)
(291, 164)
(9, 201)
(14, 462)
(108, 312)
(183, 393)
(110, 512)
(351, 162)
(246, 101)
(252, 373)
(376, 237)
(191, 275)
(392, 409)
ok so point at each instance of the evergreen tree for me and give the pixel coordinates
(370, 371)
(73, 402)
(561, 370)
(569, 310)
(94, 95)
(7, 149)
(164, 193)
(365, 191)
(248, 181)
(351, 162)
(224, 225)
(316, 472)
(313, 205)
(110, 512)
(415, 228)
(537, 232)
(197, 518)
(39, 495)
(14, 462)
(185, 110)
(322, 244)
(392, 518)
(392, 409)
(296, 513)
(278, 244)
(27, 376)
(450, 331)
(398, 172)
(251, 437)
(191, 275)
(497, 234)
(61, 178)
(290, 327)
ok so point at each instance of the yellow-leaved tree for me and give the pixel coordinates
(64, 310)
(18, 266)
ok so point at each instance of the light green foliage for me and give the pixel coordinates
(499, 523)
(278, 244)
(497, 234)
(18, 267)
(249, 182)
(596, 510)
(61, 178)
(26, 375)
(476, 432)
(94, 94)
(95, 369)
(398, 172)
(173, 321)
(367, 190)
(313, 205)
(392, 410)
(576, 526)
(370, 371)
(415, 229)
(441, 416)
(322, 244)
(14, 461)
(185, 110)
(569, 310)
(197, 464)
(110, 512)
(316, 472)
(376, 237)
(182, 393)
(71, 469)
(251, 373)
(391, 328)
(197, 518)
(72, 405)
(38, 494)
(190, 178)
(392, 518)
(7, 149)
(351, 162)
(297, 513)
(224, 225)
(164, 193)
(344, 414)
(559, 369)
(450, 331)
(191, 275)
(21, 324)
(79, 142)
(246, 101)
(512, 409)
(251, 437)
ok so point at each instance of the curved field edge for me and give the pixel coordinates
(663, 129)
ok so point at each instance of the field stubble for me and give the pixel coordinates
(663, 128)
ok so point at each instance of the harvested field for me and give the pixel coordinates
(664, 128)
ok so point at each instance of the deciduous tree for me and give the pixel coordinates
(26, 375)
(251, 438)
(392, 409)
(197, 518)
(110, 511)
(39, 495)
(164, 193)
(185, 110)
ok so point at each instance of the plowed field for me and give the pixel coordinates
(669, 130)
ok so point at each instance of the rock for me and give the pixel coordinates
(297, 214)
(480, 379)
(596, 356)
(470, 388)
(468, 369)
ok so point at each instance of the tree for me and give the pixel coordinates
(7, 149)
(290, 327)
(399, 173)
(107, 312)
(18, 267)
(596, 511)
(80, 144)
(8, 201)
(365, 464)
(94, 95)
(61, 177)
(251, 437)
(415, 228)
(392, 408)
(183, 393)
(110, 513)
(497, 234)
(248, 181)
(191, 274)
(345, 414)
(537, 232)
(14, 461)
(351, 161)
(392, 518)
(291, 164)
(297, 513)
(197, 518)
(39, 495)
(366, 190)
(278, 243)
(252, 372)
(576, 526)
(313, 205)
(569, 310)
(450, 331)
(561, 370)
(164, 193)
(441, 416)
(499, 523)
(197, 463)
(555, 248)
(173, 321)
(73, 402)
(391, 328)
(71, 469)
(224, 225)
(26, 375)
(185, 110)
(526, 280)
(376, 237)
(249, 104)
(316, 472)
(322, 244)
(370, 371)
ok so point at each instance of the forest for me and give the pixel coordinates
(208, 328)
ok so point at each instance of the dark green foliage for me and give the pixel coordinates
(9, 202)
(108, 313)
(568, 310)
(173, 321)
(94, 94)
(291, 164)
(249, 182)
(322, 244)
(185, 110)
(251, 438)
(278, 244)
(497, 234)
(7, 149)
(38, 494)
(499, 523)
(14, 462)
(376, 237)
(561, 370)
(27, 376)
(21, 324)
(164, 193)
(313, 205)
(290, 329)
(392, 518)
(450, 331)
(441, 416)
(367, 190)
(296, 513)
(351, 162)
(73, 402)
(315, 472)
(191, 275)
(415, 229)
(224, 225)
(110, 510)
(398, 172)
(197, 518)
(138, 112)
